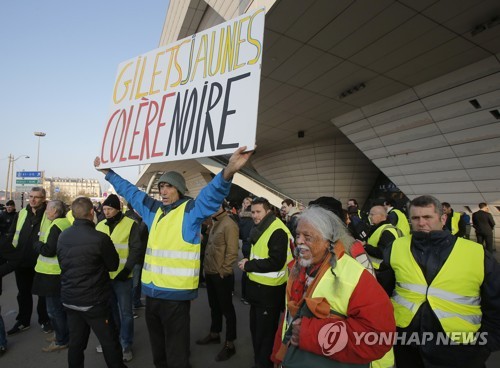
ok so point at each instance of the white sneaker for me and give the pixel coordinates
(98, 348)
(127, 355)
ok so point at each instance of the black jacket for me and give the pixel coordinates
(86, 257)
(264, 295)
(430, 251)
(23, 255)
(483, 222)
(6, 220)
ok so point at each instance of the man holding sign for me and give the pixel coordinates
(172, 261)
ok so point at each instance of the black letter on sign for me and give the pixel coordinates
(208, 119)
(177, 122)
(226, 112)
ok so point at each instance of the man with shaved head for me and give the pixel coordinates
(382, 234)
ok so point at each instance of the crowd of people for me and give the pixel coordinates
(327, 286)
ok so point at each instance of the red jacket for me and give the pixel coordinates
(369, 310)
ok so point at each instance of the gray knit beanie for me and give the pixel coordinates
(175, 179)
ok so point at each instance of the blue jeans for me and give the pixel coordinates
(57, 316)
(121, 307)
(3, 337)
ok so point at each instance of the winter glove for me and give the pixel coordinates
(123, 275)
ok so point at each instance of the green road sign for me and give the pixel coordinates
(28, 181)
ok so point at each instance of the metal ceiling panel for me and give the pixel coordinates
(374, 29)
(392, 41)
(343, 25)
(316, 17)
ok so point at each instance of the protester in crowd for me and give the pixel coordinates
(454, 221)
(137, 271)
(7, 217)
(292, 214)
(382, 234)
(396, 217)
(174, 224)
(447, 289)
(220, 256)
(353, 204)
(484, 226)
(47, 280)
(86, 256)
(3, 335)
(267, 275)
(245, 224)
(30, 224)
(467, 222)
(329, 289)
(124, 233)
(358, 228)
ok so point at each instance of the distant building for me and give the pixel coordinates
(72, 187)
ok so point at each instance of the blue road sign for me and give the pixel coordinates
(29, 174)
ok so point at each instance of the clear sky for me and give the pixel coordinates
(57, 70)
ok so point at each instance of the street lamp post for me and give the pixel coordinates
(10, 173)
(39, 135)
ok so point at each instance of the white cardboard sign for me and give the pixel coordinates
(195, 97)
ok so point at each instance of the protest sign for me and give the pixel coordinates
(193, 98)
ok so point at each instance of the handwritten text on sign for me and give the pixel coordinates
(193, 98)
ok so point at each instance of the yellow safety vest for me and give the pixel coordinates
(70, 217)
(260, 250)
(375, 238)
(23, 214)
(454, 222)
(453, 295)
(50, 265)
(120, 237)
(403, 223)
(337, 290)
(170, 261)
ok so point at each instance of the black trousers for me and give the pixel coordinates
(263, 324)
(168, 324)
(486, 240)
(98, 319)
(220, 299)
(24, 282)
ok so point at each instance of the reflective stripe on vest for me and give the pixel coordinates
(171, 262)
(403, 223)
(454, 222)
(120, 237)
(453, 295)
(375, 238)
(260, 250)
(23, 214)
(50, 265)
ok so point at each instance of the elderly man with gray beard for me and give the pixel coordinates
(329, 290)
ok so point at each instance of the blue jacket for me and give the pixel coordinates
(196, 211)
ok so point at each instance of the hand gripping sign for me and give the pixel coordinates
(193, 98)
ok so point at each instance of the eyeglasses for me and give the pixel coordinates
(36, 197)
